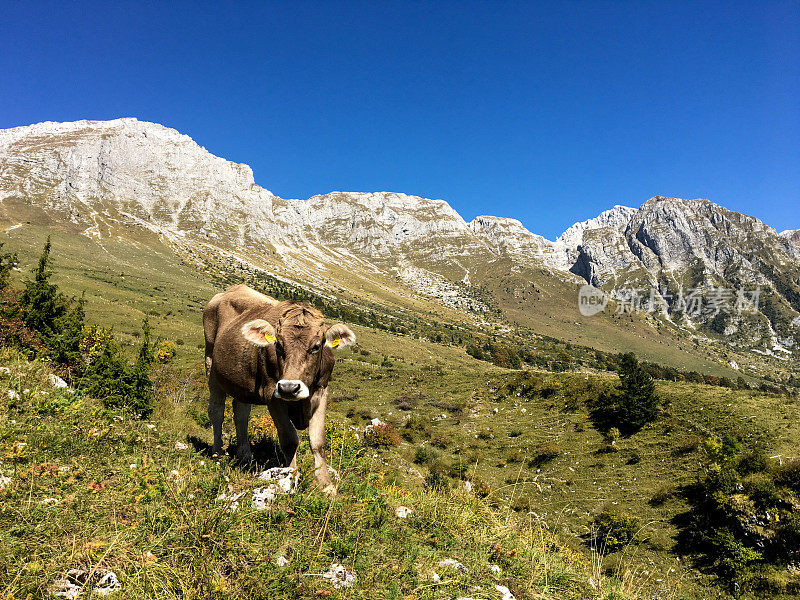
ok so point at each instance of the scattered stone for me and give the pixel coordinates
(181, 446)
(48, 501)
(507, 595)
(495, 411)
(56, 381)
(5, 371)
(231, 500)
(452, 562)
(494, 568)
(174, 474)
(150, 558)
(150, 426)
(403, 512)
(339, 576)
(282, 561)
(13, 395)
(282, 480)
(70, 585)
(435, 577)
(4, 481)
(468, 486)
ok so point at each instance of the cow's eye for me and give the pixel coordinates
(315, 348)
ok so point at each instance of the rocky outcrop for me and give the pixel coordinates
(156, 177)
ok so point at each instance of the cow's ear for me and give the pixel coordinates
(259, 332)
(339, 336)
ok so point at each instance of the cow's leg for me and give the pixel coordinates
(241, 418)
(287, 434)
(216, 412)
(316, 436)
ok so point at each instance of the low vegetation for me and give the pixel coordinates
(499, 467)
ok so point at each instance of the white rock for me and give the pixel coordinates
(4, 481)
(435, 577)
(468, 486)
(282, 561)
(339, 576)
(452, 562)
(231, 500)
(494, 568)
(403, 512)
(56, 381)
(282, 480)
(5, 371)
(507, 595)
(13, 395)
(70, 585)
(181, 446)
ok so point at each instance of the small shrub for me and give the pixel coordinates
(612, 532)
(111, 379)
(515, 433)
(789, 475)
(408, 402)
(165, 352)
(633, 458)
(762, 491)
(455, 408)
(752, 461)
(544, 454)
(661, 495)
(425, 455)
(441, 439)
(382, 436)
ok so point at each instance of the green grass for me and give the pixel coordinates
(455, 431)
(92, 487)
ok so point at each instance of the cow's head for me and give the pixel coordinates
(296, 347)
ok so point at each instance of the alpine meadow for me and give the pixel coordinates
(400, 300)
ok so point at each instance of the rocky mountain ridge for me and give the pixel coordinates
(162, 179)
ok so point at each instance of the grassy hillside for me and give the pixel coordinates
(94, 489)
(538, 469)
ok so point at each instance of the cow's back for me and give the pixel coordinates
(234, 361)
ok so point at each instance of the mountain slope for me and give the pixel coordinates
(400, 253)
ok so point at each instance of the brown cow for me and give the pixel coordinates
(262, 351)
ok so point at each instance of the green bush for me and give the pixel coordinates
(425, 454)
(789, 475)
(544, 454)
(612, 532)
(382, 436)
(762, 491)
(110, 378)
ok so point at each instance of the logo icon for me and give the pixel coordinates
(591, 300)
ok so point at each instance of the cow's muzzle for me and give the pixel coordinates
(291, 389)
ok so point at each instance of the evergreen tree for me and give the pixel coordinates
(58, 319)
(8, 261)
(633, 404)
(42, 304)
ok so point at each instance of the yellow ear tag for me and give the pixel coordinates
(269, 338)
(336, 342)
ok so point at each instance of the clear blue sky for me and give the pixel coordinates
(549, 112)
